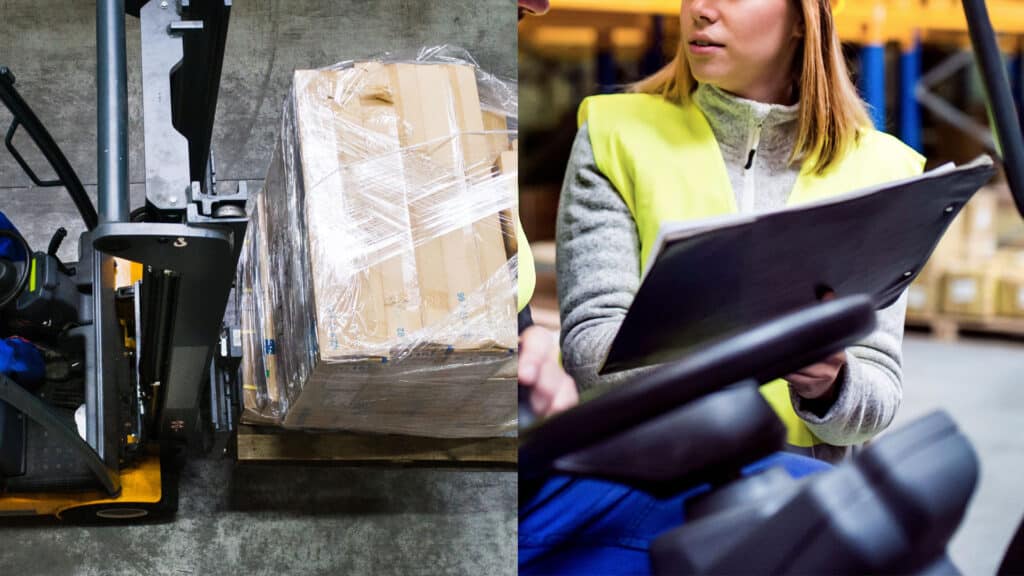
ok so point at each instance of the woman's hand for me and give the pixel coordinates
(817, 381)
(552, 390)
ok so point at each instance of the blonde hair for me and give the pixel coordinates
(831, 111)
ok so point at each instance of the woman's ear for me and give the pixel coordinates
(799, 27)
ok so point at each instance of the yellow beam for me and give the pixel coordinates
(859, 21)
(628, 38)
(565, 37)
(563, 42)
(895, 20)
(619, 6)
(583, 33)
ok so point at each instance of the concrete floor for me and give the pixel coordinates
(302, 520)
(293, 520)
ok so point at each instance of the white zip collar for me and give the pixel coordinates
(731, 118)
(753, 136)
(746, 199)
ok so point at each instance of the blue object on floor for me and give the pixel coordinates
(21, 362)
(9, 248)
(586, 526)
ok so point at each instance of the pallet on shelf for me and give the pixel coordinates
(947, 327)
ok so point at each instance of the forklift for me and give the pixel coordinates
(139, 368)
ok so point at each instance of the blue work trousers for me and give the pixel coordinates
(585, 526)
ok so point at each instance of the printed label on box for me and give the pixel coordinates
(963, 290)
(982, 219)
(917, 297)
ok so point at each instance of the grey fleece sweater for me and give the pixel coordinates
(599, 270)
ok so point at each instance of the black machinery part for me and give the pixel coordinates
(763, 353)
(61, 431)
(891, 510)
(724, 431)
(47, 306)
(999, 95)
(1011, 142)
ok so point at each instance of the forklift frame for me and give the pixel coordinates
(187, 239)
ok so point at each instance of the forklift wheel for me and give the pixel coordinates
(115, 513)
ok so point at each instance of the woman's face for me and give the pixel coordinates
(745, 47)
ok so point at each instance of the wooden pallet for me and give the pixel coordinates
(257, 444)
(948, 327)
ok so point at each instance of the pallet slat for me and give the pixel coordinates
(947, 327)
(268, 445)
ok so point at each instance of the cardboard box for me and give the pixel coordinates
(980, 238)
(1011, 296)
(1009, 227)
(1009, 261)
(948, 252)
(924, 296)
(387, 255)
(970, 289)
(436, 398)
(508, 167)
(436, 265)
(1009, 266)
(260, 394)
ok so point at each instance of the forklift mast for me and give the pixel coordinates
(147, 349)
(1011, 146)
(189, 234)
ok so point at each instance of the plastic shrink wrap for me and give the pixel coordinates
(377, 279)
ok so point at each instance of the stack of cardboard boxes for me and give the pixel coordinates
(378, 294)
(972, 273)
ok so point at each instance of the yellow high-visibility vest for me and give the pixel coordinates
(664, 160)
(527, 275)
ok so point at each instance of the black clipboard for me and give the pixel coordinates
(713, 279)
